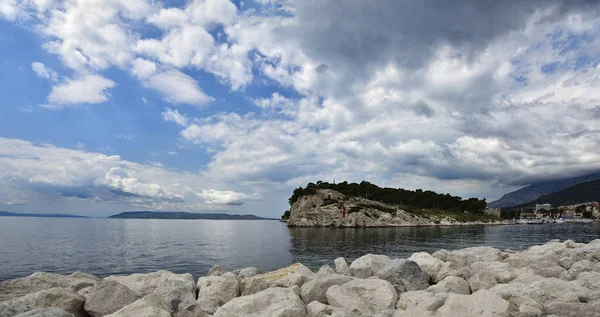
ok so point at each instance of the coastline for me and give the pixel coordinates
(556, 278)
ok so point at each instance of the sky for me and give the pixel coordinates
(226, 106)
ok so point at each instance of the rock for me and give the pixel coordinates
(341, 267)
(256, 285)
(149, 306)
(367, 265)
(326, 269)
(247, 272)
(316, 288)
(318, 309)
(41, 281)
(405, 275)
(191, 310)
(428, 263)
(451, 284)
(216, 270)
(487, 274)
(295, 274)
(451, 269)
(480, 303)
(576, 268)
(46, 312)
(539, 264)
(590, 280)
(177, 293)
(53, 297)
(468, 256)
(214, 291)
(419, 303)
(272, 302)
(479, 281)
(108, 296)
(570, 309)
(566, 262)
(365, 296)
(441, 254)
(145, 284)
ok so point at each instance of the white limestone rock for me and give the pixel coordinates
(451, 284)
(108, 296)
(46, 312)
(214, 291)
(149, 306)
(405, 275)
(430, 264)
(316, 288)
(53, 297)
(367, 265)
(341, 267)
(272, 302)
(367, 296)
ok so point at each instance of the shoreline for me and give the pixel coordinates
(556, 278)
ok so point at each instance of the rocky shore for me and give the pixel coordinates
(323, 210)
(554, 279)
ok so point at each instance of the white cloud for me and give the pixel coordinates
(127, 137)
(212, 196)
(178, 88)
(81, 90)
(42, 71)
(143, 68)
(175, 116)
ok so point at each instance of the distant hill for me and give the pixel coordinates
(14, 214)
(576, 194)
(536, 190)
(183, 215)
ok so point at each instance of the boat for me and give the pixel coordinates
(560, 220)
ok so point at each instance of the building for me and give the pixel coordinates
(492, 211)
(546, 207)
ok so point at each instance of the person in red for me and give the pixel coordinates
(344, 212)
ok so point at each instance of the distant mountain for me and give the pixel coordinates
(534, 191)
(576, 194)
(14, 214)
(183, 215)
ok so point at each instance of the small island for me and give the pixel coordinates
(184, 215)
(346, 204)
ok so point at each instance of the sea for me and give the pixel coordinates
(124, 246)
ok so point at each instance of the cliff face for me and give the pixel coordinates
(324, 209)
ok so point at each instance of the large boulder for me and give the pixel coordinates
(149, 306)
(256, 285)
(468, 256)
(145, 284)
(295, 274)
(367, 265)
(59, 297)
(326, 269)
(405, 275)
(316, 288)
(419, 303)
(272, 302)
(576, 268)
(427, 262)
(341, 267)
(46, 312)
(247, 272)
(318, 309)
(451, 269)
(216, 270)
(539, 264)
(485, 275)
(590, 280)
(214, 291)
(367, 296)
(480, 303)
(108, 296)
(177, 293)
(451, 284)
(41, 281)
(192, 310)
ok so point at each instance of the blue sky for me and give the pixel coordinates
(212, 105)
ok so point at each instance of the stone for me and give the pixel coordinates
(272, 302)
(295, 274)
(256, 285)
(419, 303)
(539, 264)
(341, 267)
(177, 293)
(480, 303)
(576, 268)
(451, 284)
(58, 297)
(405, 275)
(316, 288)
(367, 296)
(566, 262)
(216, 270)
(191, 310)
(318, 309)
(46, 312)
(108, 296)
(149, 306)
(480, 281)
(367, 265)
(247, 272)
(468, 256)
(145, 284)
(428, 263)
(441, 254)
(214, 291)
(41, 281)
(485, 275)
(451, 269)
(326, 269)
(590, 280)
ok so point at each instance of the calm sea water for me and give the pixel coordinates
(124, 246)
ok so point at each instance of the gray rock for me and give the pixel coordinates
(367, 265)
(256, 285)
(419, 303)
(405, 275)
(107, 296)
(341, 267)
(41, 281)
(214, 291)
(149, 306)
(566, 262)
(58, 297)
(192, 310)
(451, 284)
(480, 303)
(318, 309)
(485, 275)
(46, 312)
(247, 272)
(216, 270)
(272, 302)
(145, 284)
(177, 293)
(367, 296)
(430, 264)
(589, 280)
(316, 288)
(451, 269)
(468, 256)
(295, 274)
(479, 281)
(441, 254)
(326, 269)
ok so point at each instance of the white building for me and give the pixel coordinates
(542, 207)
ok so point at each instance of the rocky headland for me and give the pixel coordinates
(323, 209)
(554, 279)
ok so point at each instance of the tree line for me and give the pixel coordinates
(396, 196)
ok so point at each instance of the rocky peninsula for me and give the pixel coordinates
(554, 279)
(323, 208)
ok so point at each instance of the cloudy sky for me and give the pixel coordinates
(218, 105)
